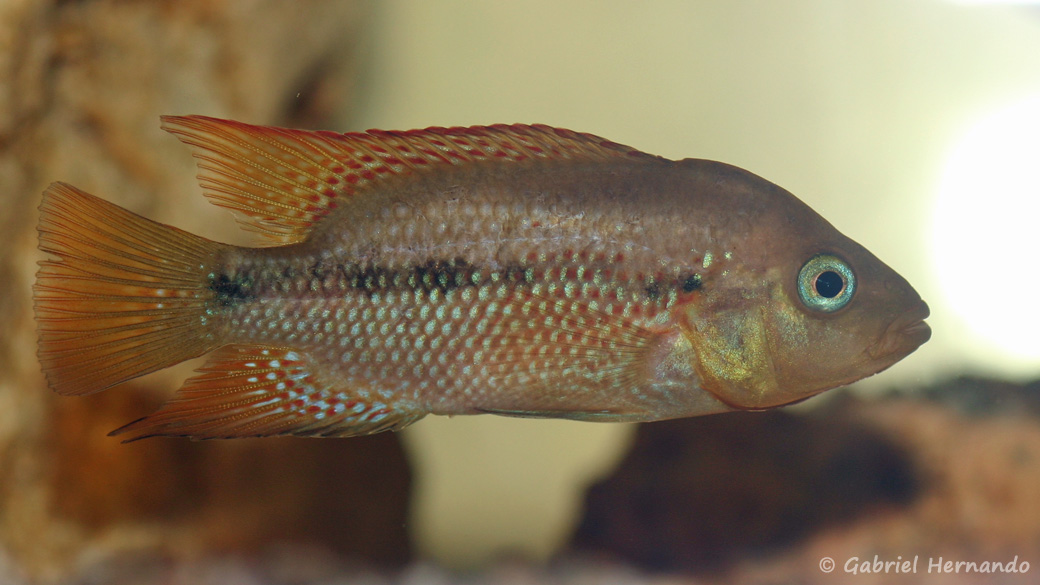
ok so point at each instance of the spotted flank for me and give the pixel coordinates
(514, 270)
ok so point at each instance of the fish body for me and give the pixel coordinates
(517, 270)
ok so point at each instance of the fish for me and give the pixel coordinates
(518, 270)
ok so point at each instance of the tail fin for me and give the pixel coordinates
(126, 296)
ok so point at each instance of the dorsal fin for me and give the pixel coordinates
(284, 181)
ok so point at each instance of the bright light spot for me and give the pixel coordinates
(986, 244)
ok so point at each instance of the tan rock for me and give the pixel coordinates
(82, 85)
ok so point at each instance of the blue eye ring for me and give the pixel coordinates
(826, 283)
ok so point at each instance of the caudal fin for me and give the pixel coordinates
(125, 297)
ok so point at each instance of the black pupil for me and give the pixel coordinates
(829, 284)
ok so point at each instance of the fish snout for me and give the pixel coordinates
(905, 334)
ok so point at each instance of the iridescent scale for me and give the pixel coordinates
(552, 332)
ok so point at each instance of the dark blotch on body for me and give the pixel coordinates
(229, 291)
(691, 283)
(653, 290)
(440, 275)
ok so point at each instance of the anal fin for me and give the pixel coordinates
(259, 391)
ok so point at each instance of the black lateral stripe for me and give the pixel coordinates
(330, 276)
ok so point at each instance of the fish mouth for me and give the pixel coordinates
(904, 335)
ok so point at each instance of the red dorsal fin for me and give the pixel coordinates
(284, 181)
(257, 391)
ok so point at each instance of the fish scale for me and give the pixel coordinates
(515, 270)
(443, 332)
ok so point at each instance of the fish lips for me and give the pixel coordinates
(903, 335)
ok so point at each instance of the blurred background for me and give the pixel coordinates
(912, 125)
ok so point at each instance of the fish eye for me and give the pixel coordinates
(826, 283)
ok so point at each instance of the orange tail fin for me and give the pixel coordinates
(126, 296)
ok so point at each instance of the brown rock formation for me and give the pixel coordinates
(81, 87)
(948, 471)
(695, 494)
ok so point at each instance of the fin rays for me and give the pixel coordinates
(259, 391)
(283, 181)
(125, 297)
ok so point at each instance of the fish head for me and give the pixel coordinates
(797, 308)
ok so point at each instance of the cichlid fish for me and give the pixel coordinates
(516, 270)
